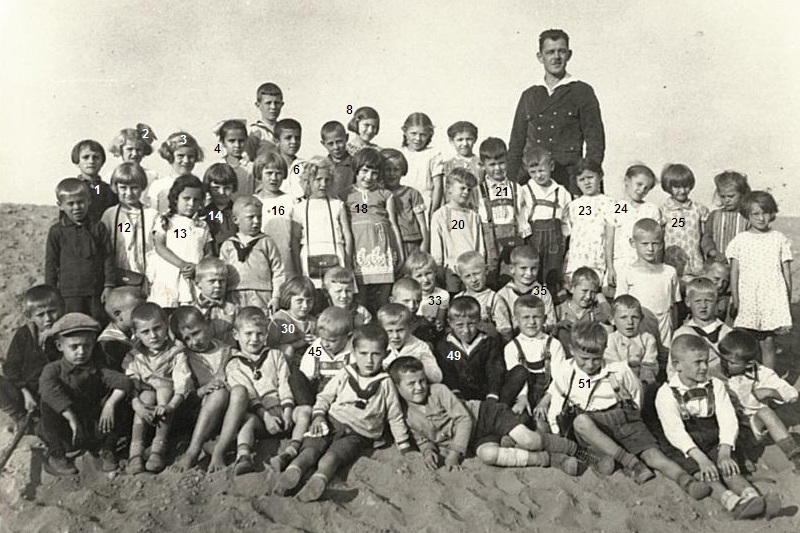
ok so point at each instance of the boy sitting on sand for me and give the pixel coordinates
(116, 339)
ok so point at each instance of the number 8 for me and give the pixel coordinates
(349, 109)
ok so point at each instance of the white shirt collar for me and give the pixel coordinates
(568, 78)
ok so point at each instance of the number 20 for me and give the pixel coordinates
(458, 224)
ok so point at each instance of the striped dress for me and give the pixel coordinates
(720, 229)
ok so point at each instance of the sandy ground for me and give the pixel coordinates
(384, 492)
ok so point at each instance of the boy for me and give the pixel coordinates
(269, 101)
(339, 284)
(211, 282)
(434, 301)
(607, 400)
(500, 205)
(753, 387)
(529, 358)
(524, 269)
(408, 293)
(495, 311)
(211, 401)
(162, 379)
(652, 282)
(543, 210)
(471, 362)
(628, 343)
(701, 297)
(456, 227)
(720, 274)
(28, 354)
(463, 135)
(396, 320)
(586, 302)
(333, 137)
(350, 413)
(79, 261)
(254, 259)
(116, 340)
(289, 134)
(700, 428)
(79, 399)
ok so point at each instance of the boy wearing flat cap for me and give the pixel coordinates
(79, 398)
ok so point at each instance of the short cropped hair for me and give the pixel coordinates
(535, 154)
(626, 301)
(553, 35)
(676, 175)
(287, 124)
(72, 186)
(492, 148)
(220, 174)
(394, 312)
(528, 301)
(469, 258)
(331, 127)
(731, 178)
(462, 176)
(364, 113)
(126, 292)
(685, 344)
(179, 139)
(739, 345)
(183, 316)
(210, 265)
(231, 125)
(296, 286)
(585, 274)
(406, 284)
(464, 307)
(337, 274)
(136, 136)
(589, 337)
(146, 312)
(128, 173)
(525, 252)
(91, 145)
(761, 198)
(700, 286)
(462, 126)
(587, 165)
(335, 321)
(712, 263)
(641, 170)
(243, 202)
(371, 333)
(40, 295)
(251, 315)
(268, 89)
(270, 158)
(395, 157)
(404, 365)
(418, 260)
(647, 225)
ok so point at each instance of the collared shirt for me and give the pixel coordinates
(510, 293)
(78, 258)
(474, 371)
(263, 131)
(533, 350)
(344, 175)
(220, 314)
(696, 405)
(257, 265)
(102, 198)
(80, 388)
(155, 369)
(712, 333)
(433, 303)
(220, 223)
(741, 388)
(318, 363)
(535, 203)
(642, 346)
(418, 349)
(441, 422)
(455, 230)
(267, 385)
(564, 80)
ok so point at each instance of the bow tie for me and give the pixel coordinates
(204, 302)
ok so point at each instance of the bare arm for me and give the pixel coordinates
(390, 211)
(786, 266)
(348, 237)
(160, 243)
(609, 254)
(422, 222)
(437, 195)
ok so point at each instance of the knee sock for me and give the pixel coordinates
(519, 457)
(554, 443)
(291, 449)
(626, 459)
(789, 447)
(730, 500)
(749, 493)
(242, 450)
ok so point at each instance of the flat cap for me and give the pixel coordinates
(73, 323)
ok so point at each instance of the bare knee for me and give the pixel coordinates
(582, 424)
(301, 412)
(487, 452)
(147, 397)
(238, 394)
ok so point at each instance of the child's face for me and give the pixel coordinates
(332, 343)
(703, 306)
(589, 182)
(152, 333)
(720, 276)
(637, 187)
(495, 168)
(335, 143)
(212, 284)
(129, 194)
(730, 197)
(589, 363)
(234, 142)
(465, 329)
(190, 200)
(252, 337)
(398, 332)
(248, 220)
(459, 193)
(44, 315)
(417, 138)
(627, 321)
(185, 159)
(270, 107)
(367, 129)
(473, 275)
(540, 172)
(319, 186)
(369, 356)
(272, 179)
(132, 151)
(583, 293)
(408, 298)
(529, 320)
(692, 367)
(734, 367)
(341, 294)
(392, 174)
(680, 192)
(196, 336)
(300, 306)
(367, 178)
(463, 142)
(648, 245)
(413, 387)
(289, 142)
(76, 348)
(524, 272)
(120, 309)
(221, 194)
(759, 219)
(89, 161)
(426, 277)
(75, 206)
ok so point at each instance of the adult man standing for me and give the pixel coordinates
(561, 114)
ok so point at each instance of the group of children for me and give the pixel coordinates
(329, 303)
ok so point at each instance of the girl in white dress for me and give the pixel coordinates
(425, 164)
(761, 275)
(270, 173)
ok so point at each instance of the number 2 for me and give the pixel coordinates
(144, 133)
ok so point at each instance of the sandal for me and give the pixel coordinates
(155, 463)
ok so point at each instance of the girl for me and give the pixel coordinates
(639, 180)
(270, 171)
(134, 144)
(130, 225)
(377, 243)
(181, 240)
(685, 220)
(761, 276)
(220, 184)
(365, 124)
(725, 223)
(425, 165)
(182, 152)
(586, 219)
(408, 202)
(321, 237)
(232, 136)
(293, 327)
(90, 158)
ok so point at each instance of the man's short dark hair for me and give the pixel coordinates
(553, 35)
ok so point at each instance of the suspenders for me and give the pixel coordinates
(538, 367)
(693, 394)
(546, 203)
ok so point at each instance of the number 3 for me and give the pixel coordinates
(183, 139)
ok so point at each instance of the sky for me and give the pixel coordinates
(710, 84)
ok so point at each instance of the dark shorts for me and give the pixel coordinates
(758, 334)
(304, 391)
(705, 434)
(342, 441)
(495, 420)
(625, 426)
(548, 240)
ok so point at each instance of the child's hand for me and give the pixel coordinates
(431, 459)
(107, 418)
(611, 277)
(319, 427)
(733, 308)
(540, 411)
(273, 423)
(452, 460)
(708, 470)
(78, 437)
(274, 305)
(28, 400)
(145, 412)
(520, 405)
(287, 418)
(187, 270)
(726, 465)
